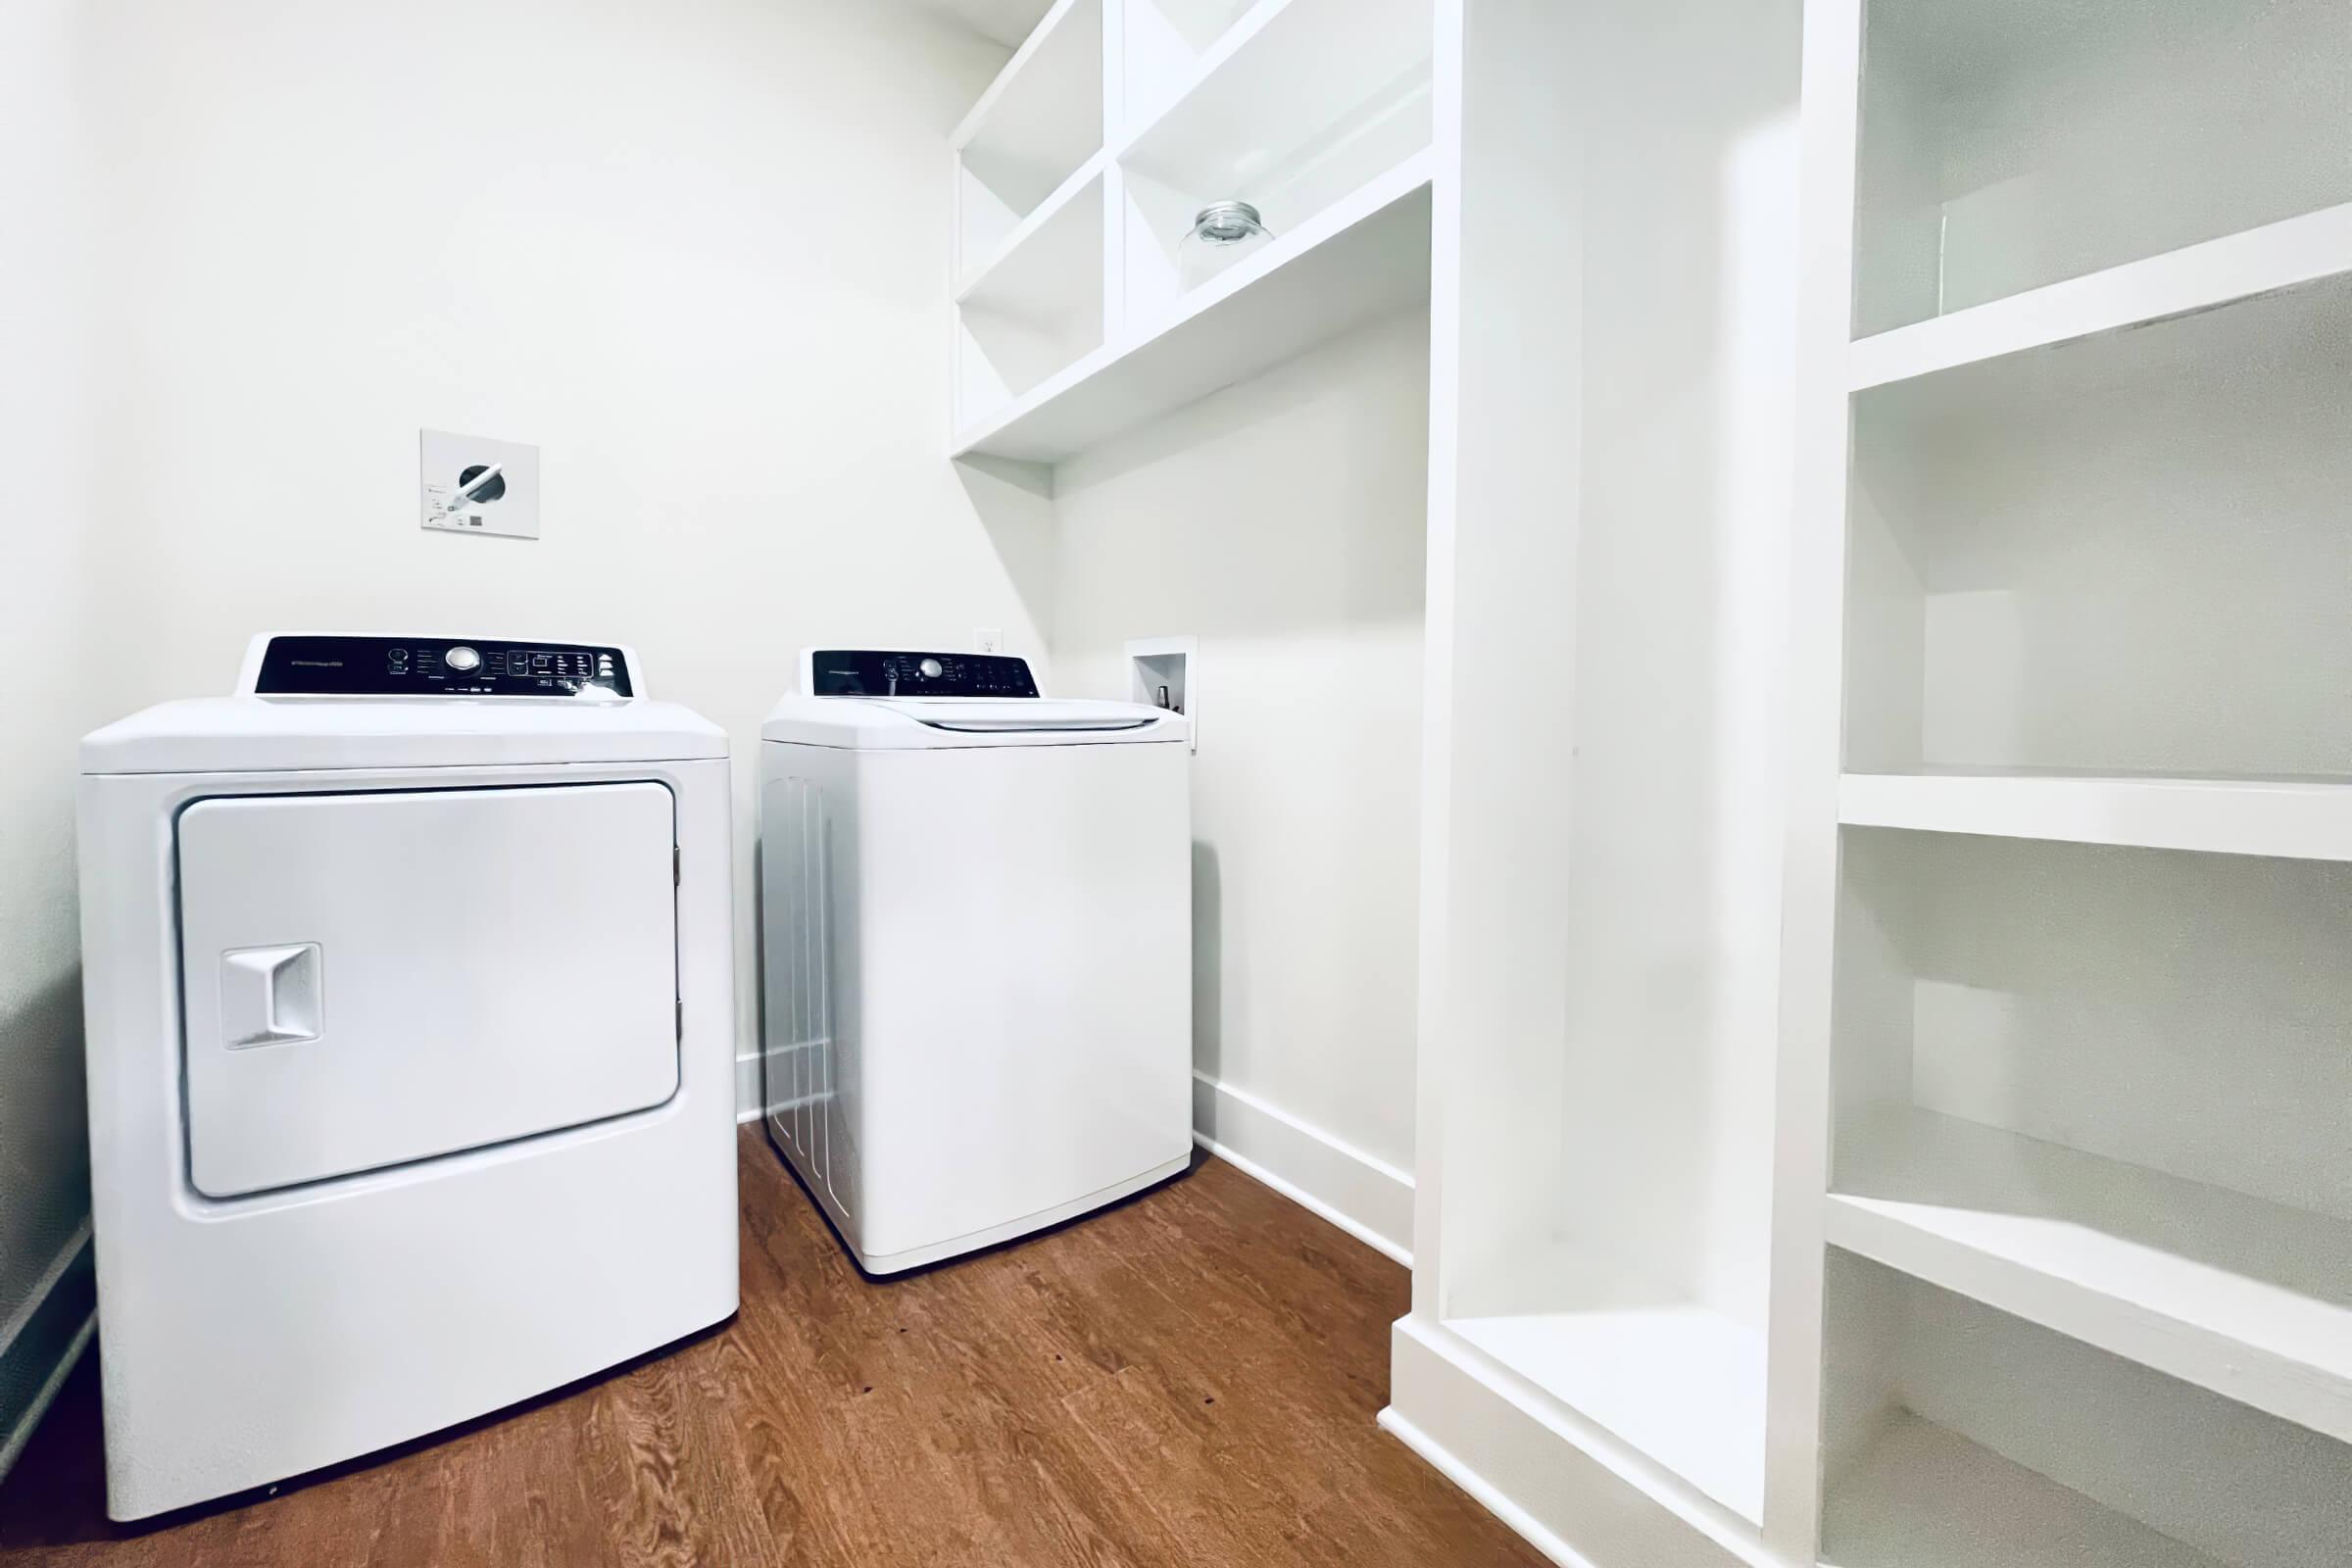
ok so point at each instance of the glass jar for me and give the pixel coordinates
(1222, 234)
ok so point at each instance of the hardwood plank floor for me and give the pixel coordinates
(1188, 1378)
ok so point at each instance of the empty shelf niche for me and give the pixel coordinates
(1960, 1436)
(1034, 127)
(1296, 107)
(1167, 44)
(1035, 312)
(2107, 1088)
(2127, 553)
(2007, 144)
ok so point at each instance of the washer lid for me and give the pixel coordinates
(932, 723)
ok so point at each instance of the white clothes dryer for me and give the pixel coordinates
(407, 973)
(977, 913)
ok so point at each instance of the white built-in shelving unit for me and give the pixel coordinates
(1080, 169)
(2067, 1008)
(1885, 1092)
(1590, 1345)
(2003, 1216)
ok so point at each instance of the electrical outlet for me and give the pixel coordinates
(988, 639)
(471, 484)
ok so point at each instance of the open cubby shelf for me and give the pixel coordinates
(1923, 1497)
(1039, 122)
(2246, 1297)
(2091, 1075)
(1365, 256)
(2124, 554)
(2009, 144)
(1316, 111)
(1959, 1436)
(1675, 1381)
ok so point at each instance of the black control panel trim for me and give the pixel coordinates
(422, 667)
(874, 672)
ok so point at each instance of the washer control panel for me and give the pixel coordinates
(873, 672)
(439, 666)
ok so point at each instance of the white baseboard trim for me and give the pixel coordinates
(1361, 1193)
(1482, 1492)
(1576, 1491)
(750, 1087)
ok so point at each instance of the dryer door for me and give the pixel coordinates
(374, 978)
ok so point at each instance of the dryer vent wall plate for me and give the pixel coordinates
(471, 484)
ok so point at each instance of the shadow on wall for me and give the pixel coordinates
(1014, 503)
(1235, 411)
(1208, 959)
(1288, 511)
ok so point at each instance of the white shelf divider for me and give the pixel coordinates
(1361, 258)
(2197, 277)
(1019, 240)
(2304, 820)
(2249, 1298)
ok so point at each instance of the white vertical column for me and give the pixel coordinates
(1430, 1066)
(1832, 59)
(1506, 468)
(1117, 122)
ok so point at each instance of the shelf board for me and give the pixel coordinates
(2249, 1298)
(1043, 262)
(2304, 820)
(1359, 259)
(1922, 1497)
(2197, 278)
(1680, 1382)
(1042, 115)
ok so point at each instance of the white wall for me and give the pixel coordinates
(695, 251)
(1282, 523)
(46, 555)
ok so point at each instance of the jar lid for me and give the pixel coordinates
(1226, 221)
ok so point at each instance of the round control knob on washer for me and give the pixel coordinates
(931, 668)
(461, 658)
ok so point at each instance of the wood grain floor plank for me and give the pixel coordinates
(1187, 1378)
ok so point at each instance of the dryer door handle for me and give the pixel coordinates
(271, 996)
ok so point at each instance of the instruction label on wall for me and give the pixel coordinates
(471, 484)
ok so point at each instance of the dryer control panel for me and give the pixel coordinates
(439, 666)
(873, 672)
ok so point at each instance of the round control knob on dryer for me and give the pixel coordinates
(931, 668)
(461, 658)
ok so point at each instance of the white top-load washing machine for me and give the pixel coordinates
(977, 917)
(407, 973)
